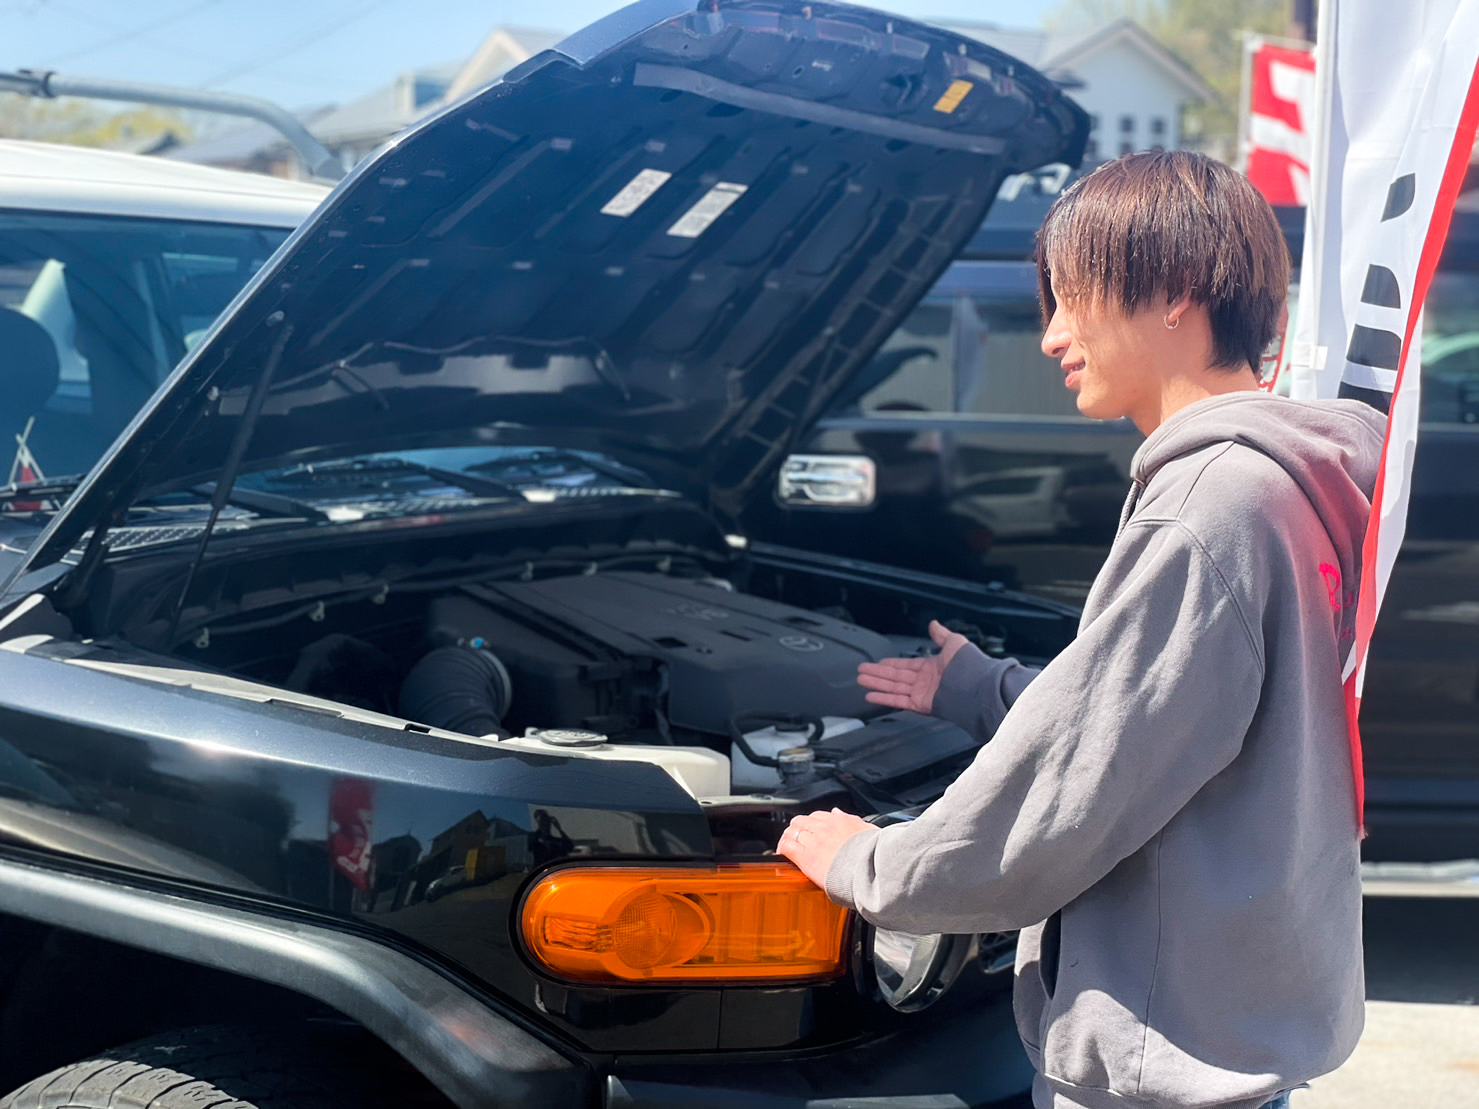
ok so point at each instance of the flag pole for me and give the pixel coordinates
(1307, 359)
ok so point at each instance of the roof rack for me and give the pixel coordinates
(48, 86)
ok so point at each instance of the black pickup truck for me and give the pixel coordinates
(397, 715)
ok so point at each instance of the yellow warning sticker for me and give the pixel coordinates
(957, 92)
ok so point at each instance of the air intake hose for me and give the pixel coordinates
(461, 689)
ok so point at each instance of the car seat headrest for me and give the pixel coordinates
(29, 369)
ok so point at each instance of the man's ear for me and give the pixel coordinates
(1175, 308)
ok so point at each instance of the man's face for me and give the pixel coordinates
(1109, 357)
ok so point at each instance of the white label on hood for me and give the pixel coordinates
(638, 192)
(710, 207)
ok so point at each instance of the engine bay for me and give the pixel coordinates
(736, 695)
(643, 656)
(630, 631)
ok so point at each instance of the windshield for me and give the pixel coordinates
(400, 481)
(383, 485)
(118, 303)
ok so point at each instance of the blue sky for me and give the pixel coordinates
(308, 52)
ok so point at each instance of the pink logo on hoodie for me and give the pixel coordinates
(1331, 574)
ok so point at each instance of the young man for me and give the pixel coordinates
(1167, 810)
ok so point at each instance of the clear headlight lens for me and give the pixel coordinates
(913, 971)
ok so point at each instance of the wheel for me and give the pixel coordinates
(231, 1068)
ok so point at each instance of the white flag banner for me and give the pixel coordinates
(1397, 103)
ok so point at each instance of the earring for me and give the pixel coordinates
(1171, 325)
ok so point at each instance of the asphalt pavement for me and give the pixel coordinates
(1420, 1049)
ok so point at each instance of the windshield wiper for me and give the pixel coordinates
(468, 483)
(47, 487)
(262, 502)
(572, 460)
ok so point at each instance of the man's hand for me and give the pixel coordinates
(911, 683)
(812, 841)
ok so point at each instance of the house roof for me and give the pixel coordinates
(1131, 33)
(377, 115)
(503, 49)
(387, 110)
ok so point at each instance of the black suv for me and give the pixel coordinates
(984, 469)
(397, 715)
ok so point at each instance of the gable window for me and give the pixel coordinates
(1127, 135)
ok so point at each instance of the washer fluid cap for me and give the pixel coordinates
(566, 737)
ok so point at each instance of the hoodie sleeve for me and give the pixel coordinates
(1098, 753)
(977, 690)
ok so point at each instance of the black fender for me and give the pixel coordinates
(479, 1058)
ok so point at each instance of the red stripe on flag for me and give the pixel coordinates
(1453, 180)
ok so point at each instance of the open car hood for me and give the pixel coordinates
(671, 239)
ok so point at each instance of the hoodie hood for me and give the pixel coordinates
(1331, 448)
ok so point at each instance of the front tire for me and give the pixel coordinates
(230, 1068)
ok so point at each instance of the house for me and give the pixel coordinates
(349, 132)
(359, 127)
(1133, 88)
(505, 48)
(354, 130)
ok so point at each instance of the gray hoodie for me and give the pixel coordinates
(1167, 810)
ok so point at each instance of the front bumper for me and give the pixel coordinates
(963, 1052)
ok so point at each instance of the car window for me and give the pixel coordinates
(971, 348)
(1450, 349)
(1000, 364)
(121, 300)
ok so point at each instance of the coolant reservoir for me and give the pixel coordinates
(700, 771)
(748, 777)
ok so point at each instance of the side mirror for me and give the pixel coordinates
(828, 481)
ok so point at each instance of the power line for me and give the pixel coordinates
(318, 81)
(124, 35)
(292, 45)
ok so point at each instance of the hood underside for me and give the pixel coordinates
(671, 239)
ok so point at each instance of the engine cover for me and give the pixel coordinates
(592, 651)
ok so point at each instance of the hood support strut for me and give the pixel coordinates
(227, 480)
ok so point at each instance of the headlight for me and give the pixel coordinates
(747, 923)
(913, 971)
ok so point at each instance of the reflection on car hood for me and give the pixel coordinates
(670, 239)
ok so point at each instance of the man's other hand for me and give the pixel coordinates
(812, 841)
(911, 683)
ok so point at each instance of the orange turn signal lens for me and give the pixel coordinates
(746, 922)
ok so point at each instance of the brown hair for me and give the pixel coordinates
(1151, 228)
